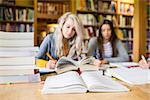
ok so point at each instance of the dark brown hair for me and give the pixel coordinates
(113, 38)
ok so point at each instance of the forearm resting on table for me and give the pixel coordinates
(41, 63)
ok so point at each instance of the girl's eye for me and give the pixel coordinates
(68, 26)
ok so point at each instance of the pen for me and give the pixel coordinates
(113, 67)
(49, 56)
(143, 58)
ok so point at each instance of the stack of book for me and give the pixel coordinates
(17, 58)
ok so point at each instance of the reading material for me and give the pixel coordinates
(66, 64)
(72, 82)
(134, 75)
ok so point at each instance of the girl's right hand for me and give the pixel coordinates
(51, 64)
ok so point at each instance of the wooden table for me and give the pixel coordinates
(32, 91)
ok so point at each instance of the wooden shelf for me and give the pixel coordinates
(126, 39)
(131, 3)
(123, 14)
(86, 12)
(19, 22)
(96, 26)
(125, 27)
(46, 16)
(61, 1)
(107, 13)
(17, 6)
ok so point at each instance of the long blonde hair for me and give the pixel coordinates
(77, 39)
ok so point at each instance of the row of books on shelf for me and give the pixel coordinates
(126, 21)
(126, 8)
(17, 58)
(148, 11)
(53, 8)
(105, 6)
(96, 5)
(16, 14)
(90, 19)
(148, 46)
(11, 27)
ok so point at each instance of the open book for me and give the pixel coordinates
(66, 64)
(135, 76)
(72, 82)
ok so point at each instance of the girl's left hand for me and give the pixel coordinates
(100, 62)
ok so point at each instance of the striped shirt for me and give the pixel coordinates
(107, 50)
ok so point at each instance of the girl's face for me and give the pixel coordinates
(68, 29)
(106, 32)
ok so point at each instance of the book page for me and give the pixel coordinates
(65, 64)
(99, 83)
(69, 82)
(124, 64)
(65, 61)
(86, 60)
(131, 75)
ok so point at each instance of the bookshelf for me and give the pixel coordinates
(148, 29)
(47, 12)
(121, 12)
(15, 17)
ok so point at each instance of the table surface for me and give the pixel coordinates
(32, 91)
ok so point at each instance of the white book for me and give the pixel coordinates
(17, 53)
(16, 35)
(135, 76)
(5, 72)
(20, 78)
(72, 82)
(16, 43)
(125, 64)
(18, 70)
(18, 67)
(28, 60)
(22, 48)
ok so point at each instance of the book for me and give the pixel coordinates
(18, 70)
(72, 82)
(125, 64)
(27, 60)
(17, 35)
(66, 64)
(132, 75)
(16, 43)
(30, 78)
(16, 53)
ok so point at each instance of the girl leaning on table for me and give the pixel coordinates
(107, 47)
(65, 41)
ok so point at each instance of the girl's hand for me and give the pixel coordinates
(104, 62)
(100, 62)
(97, 62)
(144, 65)
(51, 64)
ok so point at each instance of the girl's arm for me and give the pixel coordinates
(122, 54)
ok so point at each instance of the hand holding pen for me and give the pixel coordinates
(51, 63)
(143, 63)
